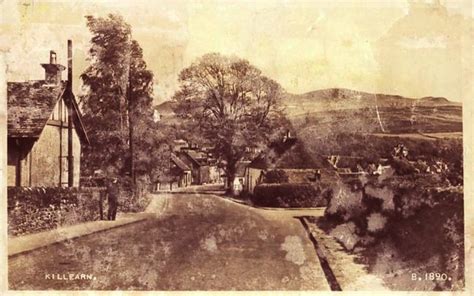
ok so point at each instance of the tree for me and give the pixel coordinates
(105, 85)
(117, 104)
(230, 104)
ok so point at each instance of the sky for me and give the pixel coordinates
(409, 48)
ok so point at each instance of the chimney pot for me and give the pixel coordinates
(52, 57)
(53, 70)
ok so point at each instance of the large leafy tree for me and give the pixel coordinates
(230, 104)
(117, 103)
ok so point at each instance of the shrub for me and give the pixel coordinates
(288, 195)
(418, 215)
(403, 167)
(276, 176)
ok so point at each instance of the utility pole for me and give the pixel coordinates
(69, 99)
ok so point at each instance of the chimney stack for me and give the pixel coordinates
(52, 71)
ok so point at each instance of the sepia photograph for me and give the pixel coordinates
(235, 145)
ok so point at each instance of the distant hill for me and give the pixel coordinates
(341, 98)
(166, 108)
(338, 110)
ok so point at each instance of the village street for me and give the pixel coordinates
(198, 242)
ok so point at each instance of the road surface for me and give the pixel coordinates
(197, 242)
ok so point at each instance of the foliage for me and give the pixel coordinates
(117, 105)
(230, 104)
(415, 213)
(288, 195)
(37, 209)
(275, 176)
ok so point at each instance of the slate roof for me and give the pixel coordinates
(197, 157)
(179, 163)
(293, 157)
(30, 104)
(29, 107)
(240, 168)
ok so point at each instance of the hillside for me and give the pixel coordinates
(337, 110)
(340, 98)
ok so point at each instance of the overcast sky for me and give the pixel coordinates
(395, 47)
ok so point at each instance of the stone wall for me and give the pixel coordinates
(38, 209)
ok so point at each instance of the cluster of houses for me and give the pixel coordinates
(191, 165)
(197, 166)
(288, 156)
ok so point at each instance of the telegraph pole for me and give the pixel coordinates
(69, 99)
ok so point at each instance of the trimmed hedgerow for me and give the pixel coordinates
(288, 195)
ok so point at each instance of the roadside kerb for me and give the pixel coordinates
(27, 243)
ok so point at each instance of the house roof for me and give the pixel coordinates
(293, 157)
(77, 119)
(179, 163)
(240, 168)
(30, 105)
(197, 157)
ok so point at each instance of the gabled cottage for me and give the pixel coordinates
(45, 130)
(291, 157)
(198, 162)
(181, 171)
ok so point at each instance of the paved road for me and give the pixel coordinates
(198, 242)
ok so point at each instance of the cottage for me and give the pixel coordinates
(291, 157)
(197, 161)
(45, 130)
(240, 175)
(181, 171)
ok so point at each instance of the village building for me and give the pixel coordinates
(200, 162)
(346, 166)
(291, 157)
(45, 131)
(197, 161)
(181, 171)
(239, 178)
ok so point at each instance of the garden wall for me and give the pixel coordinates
(38, 209)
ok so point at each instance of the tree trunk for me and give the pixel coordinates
(230, 173)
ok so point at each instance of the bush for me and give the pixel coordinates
(276, 176)
(288, 195)
(133, 198)
(417, 215)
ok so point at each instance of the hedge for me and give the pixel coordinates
(288, 195)
(37, 209)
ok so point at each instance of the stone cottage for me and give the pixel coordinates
(292, 158)
(45, 130)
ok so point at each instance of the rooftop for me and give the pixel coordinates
(30, 105)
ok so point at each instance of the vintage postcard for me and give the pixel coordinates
(290, 146)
